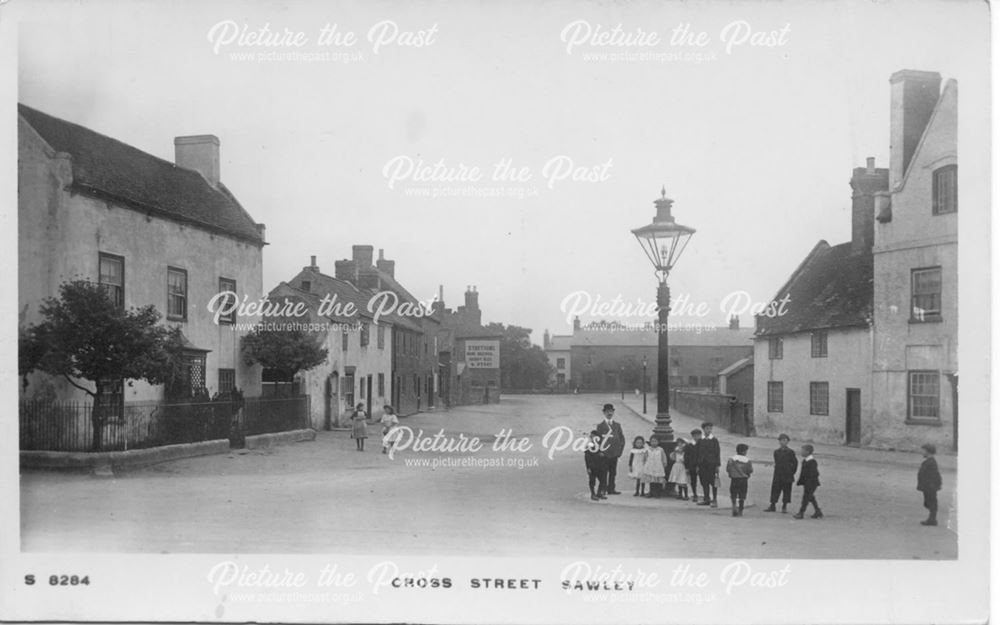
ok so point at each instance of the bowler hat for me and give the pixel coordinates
(929, 447)
(608, 407)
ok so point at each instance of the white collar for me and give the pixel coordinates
(807, 458)
(741, 458)
(708, 436)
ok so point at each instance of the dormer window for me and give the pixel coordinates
(945, 190)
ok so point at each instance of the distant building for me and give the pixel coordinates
(469, 356)
(559, 350)
(609, 356)
(737, 380)
(151, 231)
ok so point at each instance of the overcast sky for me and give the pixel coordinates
(755, 145)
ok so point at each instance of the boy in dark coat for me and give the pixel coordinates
(709, 460)
(785, 466)
(809, 481)
(929, 483)
(691, 462)
(597, 467)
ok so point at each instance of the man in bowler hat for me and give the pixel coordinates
(613, 443)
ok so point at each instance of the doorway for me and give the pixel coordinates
(368, 395)
(853, 426)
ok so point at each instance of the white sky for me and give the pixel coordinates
(756, 147)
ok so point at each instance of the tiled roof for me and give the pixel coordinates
(322, 284)
(736, 366)
(109, 169)
(683, 336)
(560, 342)
(832, 288)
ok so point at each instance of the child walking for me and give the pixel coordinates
(389, 421)
(597, 467)
(929, 483)
(678, 472)
(739, 469)
(654, 471)
(809, 481)
(359, 426)
(636, 461)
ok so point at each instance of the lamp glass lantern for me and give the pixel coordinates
(664, 239)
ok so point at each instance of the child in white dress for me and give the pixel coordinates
(654, 471)
(636, 461)
(679, 473)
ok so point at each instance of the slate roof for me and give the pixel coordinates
(737, 366)
(832, 288)
(109, 169)
(560, 342)
(323, 284)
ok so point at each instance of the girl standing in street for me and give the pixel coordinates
(359, 426)
(654, 471)
(636, 461)
(389, 421)
(679, 473)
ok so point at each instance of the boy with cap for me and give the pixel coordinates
(785, 466)
(739, 469)
(709, 460)
(809, 481)
(691, 463)
(597, 467)
(929, 483)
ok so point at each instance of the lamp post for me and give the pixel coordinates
(663, 240)
(621, 381)
(645, 383)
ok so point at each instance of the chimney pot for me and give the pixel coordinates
(198, 153)
(870, 164)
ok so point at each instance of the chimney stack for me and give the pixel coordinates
(734, 322)
(362, 255)
(866, 183)
(368, 279)
(346, 270)
(576, 324)
(914, 96)
(312, 266)
(199, 153)
(388, 267)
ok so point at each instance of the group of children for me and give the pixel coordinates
(698, 461)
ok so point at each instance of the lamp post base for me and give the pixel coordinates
(664, 431)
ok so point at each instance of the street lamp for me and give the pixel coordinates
(663, 241)
(645, 383)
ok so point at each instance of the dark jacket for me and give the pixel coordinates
(613, 440)
(785, 465)
(928, 477)
(709, 452)
(691, 457)
(593, 459)
(809, 476)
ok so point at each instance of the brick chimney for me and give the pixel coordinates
(576, 324)
(734, 322)
(362, 255)
(438, 305)
(914, 95)
(346, 270)
(199, 153)
(471, 309)
(546, 339)
(368, 279)
(866, 182)
(388, 267)
(312, 266)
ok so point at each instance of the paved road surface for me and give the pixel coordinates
(324, 497)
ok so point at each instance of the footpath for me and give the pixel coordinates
(761, 447)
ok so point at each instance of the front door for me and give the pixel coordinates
(853, 425)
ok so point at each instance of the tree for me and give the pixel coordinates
(284, 351)
(85, 337)
(522, 364)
